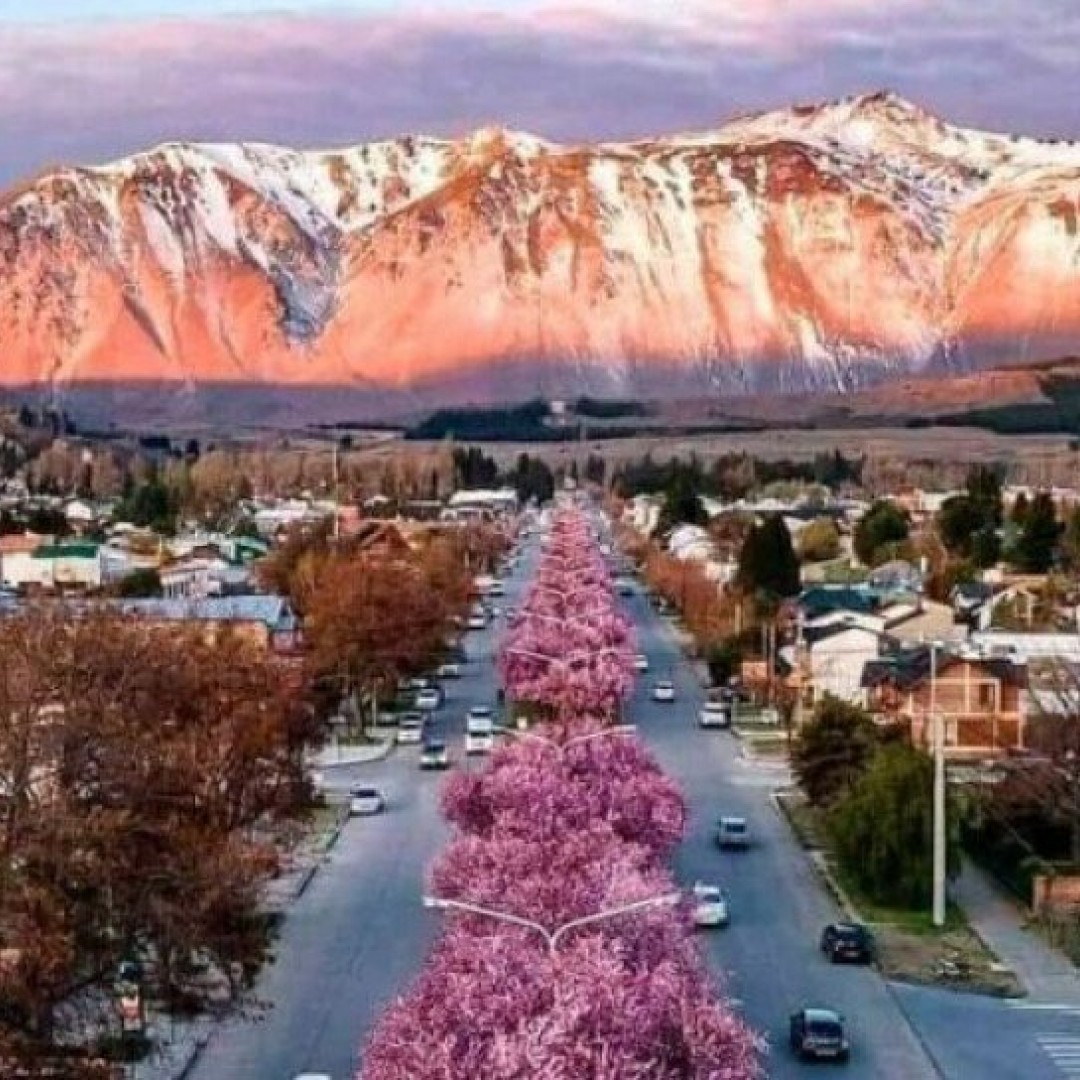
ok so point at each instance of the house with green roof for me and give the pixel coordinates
(54, 566)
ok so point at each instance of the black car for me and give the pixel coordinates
(819, 1035)
(847, 943)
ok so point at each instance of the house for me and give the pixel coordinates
(201, 576)
(267, 620)
(1024, 647)
(54, 566)
(835, 657)
(481, 502)
(980, 701)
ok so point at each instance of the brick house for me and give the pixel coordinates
(980, 701)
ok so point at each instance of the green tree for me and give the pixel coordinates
(833, 749)
(1070, 540)
(882, 829)
(984, 490)
(880, 532)
(682, 503)
(957, 522)
(1037, 544)
(819, 541)
(768, 565)
(139, 583)
(1020, 507)
(723, 660)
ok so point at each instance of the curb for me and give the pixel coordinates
(388, 746)
(193, 1057)
(817, 860)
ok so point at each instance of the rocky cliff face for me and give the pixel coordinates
(814, 248)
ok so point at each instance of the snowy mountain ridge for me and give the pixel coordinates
(822, 246)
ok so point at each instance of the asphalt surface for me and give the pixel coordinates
(359, 934)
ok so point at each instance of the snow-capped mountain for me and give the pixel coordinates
(816, 247)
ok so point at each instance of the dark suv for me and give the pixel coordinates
(819, 1035)
(847, 942)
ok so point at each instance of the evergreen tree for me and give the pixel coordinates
(1038, 541)
(768, 565)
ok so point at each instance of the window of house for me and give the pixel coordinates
(987, 697)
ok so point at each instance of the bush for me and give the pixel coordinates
(882, 829)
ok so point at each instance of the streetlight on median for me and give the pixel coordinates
(551, 936)
(562, 747)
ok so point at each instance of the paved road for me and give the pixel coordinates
(357, 937)
(778, 906)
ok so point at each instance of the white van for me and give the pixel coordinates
(479, 730)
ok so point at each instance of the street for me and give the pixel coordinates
(359, 934)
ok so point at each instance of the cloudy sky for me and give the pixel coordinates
(87, 80)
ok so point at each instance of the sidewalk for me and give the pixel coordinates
(1046, 974)
(330, 757)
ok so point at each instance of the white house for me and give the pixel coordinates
(54, 566)
(202, 577)
(837, 655)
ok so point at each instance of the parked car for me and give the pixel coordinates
(732, 832)
(710, 905)
(476, 622)
(429, 699)
(624, 587)
(663, 691)
(410, 731)
(714, 714)
(641, 662)
(819, 1035)
(449, 670)
(435, 756)
(846, 941)
(365, 801)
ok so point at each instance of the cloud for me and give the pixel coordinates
(566, 70)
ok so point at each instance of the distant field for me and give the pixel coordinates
(948, 444)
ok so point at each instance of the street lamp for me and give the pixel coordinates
(561, 747)
(551, 936)
(939, 858)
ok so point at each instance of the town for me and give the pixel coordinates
(232, 696)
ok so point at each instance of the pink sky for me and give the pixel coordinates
(88, 92)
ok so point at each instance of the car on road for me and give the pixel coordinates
(365, 801)
(449, 670)
(428, 699)
(732, 833)
(848, 942)
(476, 622)
(641, 662)
(434, 755)
(410, 730)
(663, 691)
(624, 587)
(818, 1034)
(710, 905)
(479, 730)
(714, 714)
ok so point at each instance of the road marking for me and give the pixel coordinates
(1063, 1051)
(1044, 1006)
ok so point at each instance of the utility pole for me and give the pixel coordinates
(337, 503)
(939, 794)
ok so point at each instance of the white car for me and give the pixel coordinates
(365, 801)
(715, 714)
(663, 691)
(476, 622)
(641, 662)
(710, 906)
(435, 756)
(428, 699)
(410, 731)
(450, 670)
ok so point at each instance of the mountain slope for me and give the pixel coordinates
(814, 248)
